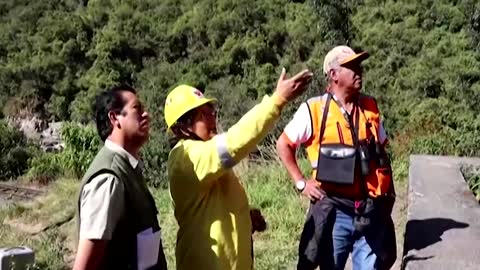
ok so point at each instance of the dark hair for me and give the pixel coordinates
(109, 101)
(180, 129)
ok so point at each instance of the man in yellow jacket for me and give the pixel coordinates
(211, 206)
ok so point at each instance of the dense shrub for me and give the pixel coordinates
(81, 146)
(154, 155)
(44, 167)
(15, 152)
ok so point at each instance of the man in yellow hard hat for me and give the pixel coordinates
(211, 207)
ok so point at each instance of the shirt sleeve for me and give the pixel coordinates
(101, 207)
(299, 129)
(225, 150)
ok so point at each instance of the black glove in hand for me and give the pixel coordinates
(258, 222)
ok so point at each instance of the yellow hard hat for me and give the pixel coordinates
(181, 100)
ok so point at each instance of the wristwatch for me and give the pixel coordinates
(300, 185)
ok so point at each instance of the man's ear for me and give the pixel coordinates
(112, 116)
(333, 75)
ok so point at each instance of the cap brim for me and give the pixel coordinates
(359, 57)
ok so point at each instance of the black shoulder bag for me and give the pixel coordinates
(336, 162)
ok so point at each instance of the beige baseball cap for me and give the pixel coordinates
(341, 55)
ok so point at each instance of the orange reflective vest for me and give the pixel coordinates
(337, 130)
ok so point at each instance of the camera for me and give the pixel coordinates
(371, 150)
(364, 160)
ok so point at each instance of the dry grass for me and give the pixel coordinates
(43, 225)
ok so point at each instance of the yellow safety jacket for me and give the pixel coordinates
(211, 206)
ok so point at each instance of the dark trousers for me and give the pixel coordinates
(329, 236)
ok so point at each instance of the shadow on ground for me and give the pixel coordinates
(420, 234)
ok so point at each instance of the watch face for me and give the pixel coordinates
(300, 184)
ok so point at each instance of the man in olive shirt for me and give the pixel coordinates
(117, 225)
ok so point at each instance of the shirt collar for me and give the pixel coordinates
(344, 111)
(117, 148)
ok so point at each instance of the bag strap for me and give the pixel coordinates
(354, 126)
(324, 118)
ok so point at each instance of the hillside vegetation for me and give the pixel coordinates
(424, 69)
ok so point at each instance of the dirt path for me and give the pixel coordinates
(10, 191)
(400, 218)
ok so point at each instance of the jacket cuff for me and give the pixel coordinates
(278, 100)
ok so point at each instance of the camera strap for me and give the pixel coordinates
(324, 117)
(354, 127)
